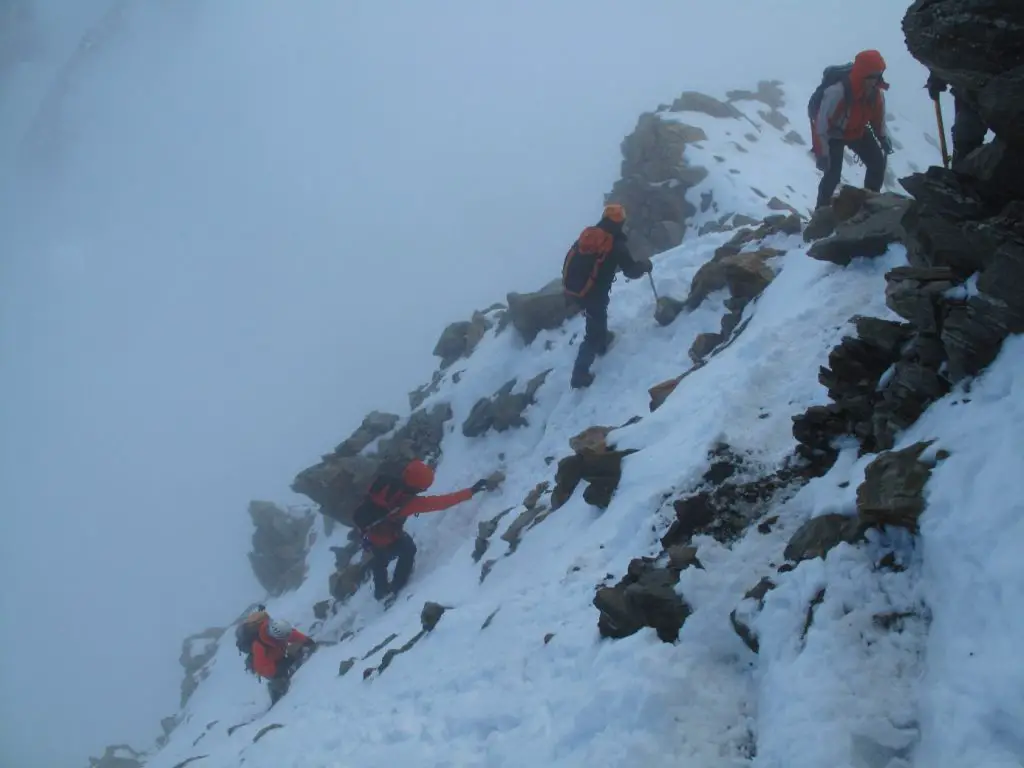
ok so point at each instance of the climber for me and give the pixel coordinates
(268, 645)
(390, 501)
(587, 275)
(968, 128)
(849, 107)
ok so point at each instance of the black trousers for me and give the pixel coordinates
(404, 550)
(595, 339)
(867, 149)
(279, 684)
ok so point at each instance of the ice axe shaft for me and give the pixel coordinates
(942, 134)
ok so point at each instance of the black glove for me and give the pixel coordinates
(479, 485)
(648, 266)
(935, 86)
(822, 162)
(310, 643)
(886, 144)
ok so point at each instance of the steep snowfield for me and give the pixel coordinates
(845, 692)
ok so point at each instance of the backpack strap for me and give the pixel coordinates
(387, 494)
(847, 94)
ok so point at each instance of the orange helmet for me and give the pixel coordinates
(418, 475)
(614, 212)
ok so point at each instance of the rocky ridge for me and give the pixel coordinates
(959, 298)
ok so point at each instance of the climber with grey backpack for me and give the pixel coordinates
(848, 110)
(273, 649)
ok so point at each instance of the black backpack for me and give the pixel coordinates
(247, 631)
(837, 73)
(387, 484)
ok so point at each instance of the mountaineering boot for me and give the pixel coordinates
(381, 590)
(581, 379)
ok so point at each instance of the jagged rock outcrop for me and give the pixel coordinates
(460, 338)
(694, 101)
(645, 597)
(655, 178)
(167, 726)
(543, 310)
(280, 544)
(861, 406)
(819, 535)
(431, 614)
(893, 489)
(970, 220)
(196, 652)
(593, 460)
(975, 46)
(768, 92)
(118, 756)
(866, 231)
(746, 274)
(534, 512)
(822, 224)
(504, 409)
(338, 483)
(892, 494)
(485, 530)
(971, 323)
(375, 424)
(346, 580)
(739, 266)
(419, 395)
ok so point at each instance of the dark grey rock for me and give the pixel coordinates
(893, 489)
(820, 534)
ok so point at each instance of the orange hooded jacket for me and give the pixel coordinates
(388, 530)
(848, 122)
(267, 652)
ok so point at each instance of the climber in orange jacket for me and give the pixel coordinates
(382, 515)
(848, 108)
(267, 643)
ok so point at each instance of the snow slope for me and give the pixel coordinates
(487, 687)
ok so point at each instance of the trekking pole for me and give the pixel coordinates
(655, 290)
(942, 134)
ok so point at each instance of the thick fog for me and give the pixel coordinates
(231, 228)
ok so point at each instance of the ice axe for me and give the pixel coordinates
(653, 289)
(942, 134)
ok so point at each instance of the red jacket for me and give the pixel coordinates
(837, 119)
(388, 530)
(266, 651)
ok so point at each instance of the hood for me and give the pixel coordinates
(865, 64)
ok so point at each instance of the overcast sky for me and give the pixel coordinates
(245, 225)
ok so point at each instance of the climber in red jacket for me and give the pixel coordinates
(271, 639)
(848, 109)
(382, 515)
